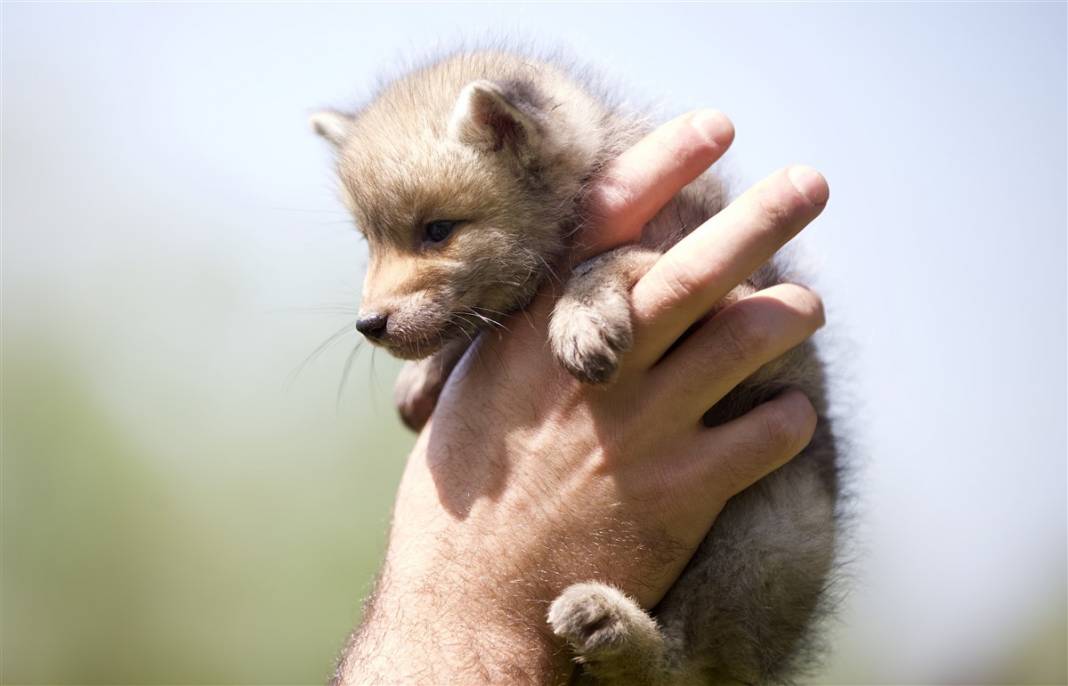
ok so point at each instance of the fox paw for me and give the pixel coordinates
(588, 340)
(593, 618)
(416, 392)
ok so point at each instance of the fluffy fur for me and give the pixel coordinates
(506, 146)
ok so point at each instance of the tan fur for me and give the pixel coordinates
(590, 327)
(509, 145)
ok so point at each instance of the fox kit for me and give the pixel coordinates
(468, 177)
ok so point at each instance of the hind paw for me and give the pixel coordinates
(593, 618)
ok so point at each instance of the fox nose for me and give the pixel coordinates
(373, 325)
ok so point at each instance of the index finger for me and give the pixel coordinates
(645, 177)
(695, 274)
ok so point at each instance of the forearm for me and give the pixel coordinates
(447, 607)
(424, 631)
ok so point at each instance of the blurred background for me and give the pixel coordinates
(185, 500)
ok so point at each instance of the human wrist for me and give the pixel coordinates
(452, 626)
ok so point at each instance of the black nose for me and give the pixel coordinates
(373, 325)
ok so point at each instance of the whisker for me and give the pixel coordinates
(492, 311)
(318, 309)
(333, 338)
(548, 267)
(459, 321)
(488, 320)
(464, 329)
(345, 376)
(497, 324)
(503, 282)
(374, 375)
(441, 344)
(530, 320)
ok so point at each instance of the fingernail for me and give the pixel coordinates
(714, 127)
(809, 183)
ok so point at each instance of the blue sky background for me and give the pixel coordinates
(176, 511)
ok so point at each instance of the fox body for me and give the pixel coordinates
(468, 177)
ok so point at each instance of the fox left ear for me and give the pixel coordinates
(331, 125)
(486, 119)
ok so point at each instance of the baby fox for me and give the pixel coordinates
(468, 178)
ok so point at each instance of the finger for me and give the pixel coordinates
(644, 178)
(697, 272)
(731, 457)
(734, 344)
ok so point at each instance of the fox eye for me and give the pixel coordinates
(438, 230)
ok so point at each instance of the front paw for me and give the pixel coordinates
(416, 393)
(589, 341)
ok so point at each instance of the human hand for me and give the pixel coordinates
(526, 481)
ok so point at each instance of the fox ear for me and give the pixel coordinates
(332, 125)
(487, 120)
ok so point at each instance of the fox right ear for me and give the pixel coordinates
(487, 120)
(332, 125)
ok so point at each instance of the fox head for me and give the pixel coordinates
(465, 195)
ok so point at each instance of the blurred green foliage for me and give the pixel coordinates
(241, 558)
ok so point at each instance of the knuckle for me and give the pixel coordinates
(788, 426)
(611, 197)
(774, 211)
(780, 428)
(744, 334)
(810, 306)
(681, 282)
(733, 472)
